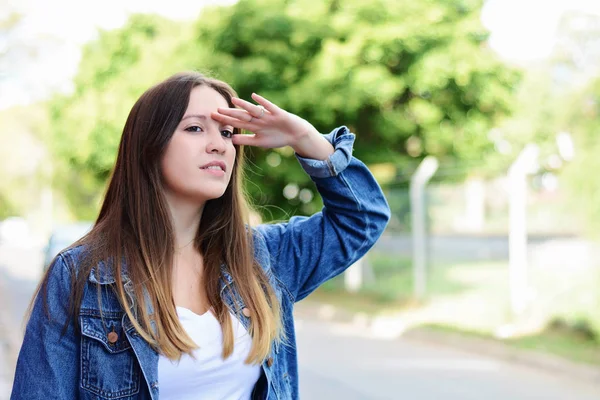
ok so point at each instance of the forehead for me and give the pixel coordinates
(205, 98)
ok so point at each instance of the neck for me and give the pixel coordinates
(185, 216)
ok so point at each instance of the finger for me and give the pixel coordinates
(252, 109)
(242, 115)
(245, 140)
(269, 106)
(236, 123)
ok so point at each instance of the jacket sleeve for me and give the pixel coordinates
(48, 361)
(307, 251)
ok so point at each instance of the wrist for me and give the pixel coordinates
(312, 144)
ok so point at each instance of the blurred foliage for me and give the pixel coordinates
(562, 95)
(581, 117)
(410, 78)
(87, 125)
(23, 159)
(9, 22)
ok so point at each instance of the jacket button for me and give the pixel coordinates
(113, 337)
(269, 362)
(246, 312)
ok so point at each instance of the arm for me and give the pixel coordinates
(48, 362)
(307, 251)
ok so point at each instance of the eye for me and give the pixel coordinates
(194, 128)
(227, 133)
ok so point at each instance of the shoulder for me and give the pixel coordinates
(72, 256)
(77, 260)
(264, 257)
(267, 236)
(66, 263)
(85, 275)
(261, 250)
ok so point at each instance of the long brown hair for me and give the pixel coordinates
(134, 225)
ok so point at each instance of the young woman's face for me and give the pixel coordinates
(200, 156)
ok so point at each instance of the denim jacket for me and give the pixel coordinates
(106, 358)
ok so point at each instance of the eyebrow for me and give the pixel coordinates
(200, 116)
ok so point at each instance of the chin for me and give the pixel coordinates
(214, 197)
(210, 194)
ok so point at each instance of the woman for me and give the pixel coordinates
(200, 304)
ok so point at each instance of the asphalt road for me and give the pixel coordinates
(340, 361)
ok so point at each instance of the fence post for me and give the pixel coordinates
(474, 218)
(353, 277)
(517, 235)
(418, 182)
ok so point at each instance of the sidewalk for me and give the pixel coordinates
(6, 344)
(19, 273)
(5, 374)
(397, 329)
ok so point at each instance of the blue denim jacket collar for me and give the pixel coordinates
(103, 273)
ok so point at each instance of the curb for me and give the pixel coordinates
(489, 347)
(7, 347)
(5, 384)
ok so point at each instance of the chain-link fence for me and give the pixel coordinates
(467, 271)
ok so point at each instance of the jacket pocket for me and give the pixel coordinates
(109, 368)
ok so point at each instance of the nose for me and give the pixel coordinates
(216, 142)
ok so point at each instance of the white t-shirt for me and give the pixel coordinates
(209, 377)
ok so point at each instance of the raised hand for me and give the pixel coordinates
(273, 127)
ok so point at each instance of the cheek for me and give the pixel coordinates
(167, 169)
(174, 162)
(232, 160)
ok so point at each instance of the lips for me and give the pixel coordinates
(214, 164)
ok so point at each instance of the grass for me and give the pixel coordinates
(475, 293)
(563, 343)
(474, 298)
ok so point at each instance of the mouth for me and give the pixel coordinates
(215, 166)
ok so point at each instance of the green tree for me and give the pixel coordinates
(561, 95)
(410, 78)
(581, 117)
(22, 154)
(87, 124)
(23, 159)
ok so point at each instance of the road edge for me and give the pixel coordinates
(489, 347)
(7, 348)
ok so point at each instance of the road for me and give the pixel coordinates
(20, 270)
(341, 361)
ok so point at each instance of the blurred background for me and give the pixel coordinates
(480, 119)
